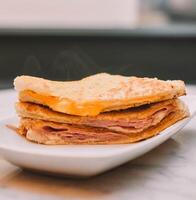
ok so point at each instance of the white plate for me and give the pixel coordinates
(78, 160)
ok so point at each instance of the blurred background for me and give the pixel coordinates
(70, 39)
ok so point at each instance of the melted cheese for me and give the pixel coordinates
(90, 108)
(62, 104)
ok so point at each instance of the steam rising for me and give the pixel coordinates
(69, 64)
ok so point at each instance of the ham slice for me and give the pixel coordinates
(131, 126)
(51, 132)
(46, 127)
(42, 125)
(106, 127)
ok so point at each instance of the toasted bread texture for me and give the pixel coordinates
(47, 132)
(95, 94)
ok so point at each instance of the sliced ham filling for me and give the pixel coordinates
(73, 134)
(134, 126)
(93, 130)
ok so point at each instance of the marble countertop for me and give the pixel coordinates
(167, 172)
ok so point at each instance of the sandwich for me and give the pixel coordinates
(99, 109)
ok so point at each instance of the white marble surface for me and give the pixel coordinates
(168, 172)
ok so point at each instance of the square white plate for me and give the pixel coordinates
(79, 160)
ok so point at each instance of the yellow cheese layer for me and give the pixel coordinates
(90, 108)
(63, 105)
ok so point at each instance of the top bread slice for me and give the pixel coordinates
(98, 93)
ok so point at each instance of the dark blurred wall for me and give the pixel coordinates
(69, 58)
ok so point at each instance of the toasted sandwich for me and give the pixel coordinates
(99, 109)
